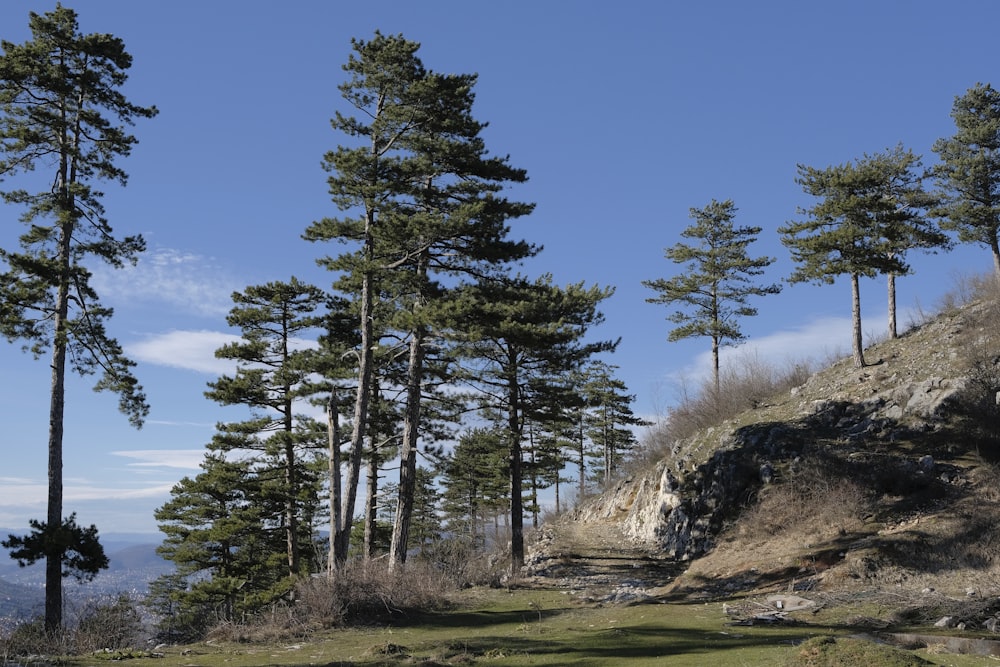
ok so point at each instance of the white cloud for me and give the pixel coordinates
(14, 480)
(85, 493)
(185, 459)
(193, 283)
(191, 350)
(24, 494)
(34, 495)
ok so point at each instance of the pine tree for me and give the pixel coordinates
(610, 420)
(214, 526)
(368, 179)
(969, 170)
(905, 221)
(716, 283)
(433, 206)
(271, 376)
(61, 108)
(425, 527)
(524, 337)
(867, 218)
(475, 478)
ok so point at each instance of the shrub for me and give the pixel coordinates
(814, 495)
(112, 625)
(30, 638)
(981, 354)
(367, 591)
(360, 592)
(463, 562)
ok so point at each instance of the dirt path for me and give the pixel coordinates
(596, 562)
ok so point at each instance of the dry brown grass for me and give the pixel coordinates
(361, 592)
(110, 624)
(809, 499)
(745, 384)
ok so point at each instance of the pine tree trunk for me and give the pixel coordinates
(534, 483)
(891, 280)
(715, 365)
(408, 456)
(366, 365)
(333, 442)
(291, 511)
(558, 508)
(857, 339)
(291, 485)
(371, 500)
(53, 560)
(65, 204)
(516, 503)
(582, 465)
(995, 247)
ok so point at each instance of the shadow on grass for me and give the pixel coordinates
(617, 646)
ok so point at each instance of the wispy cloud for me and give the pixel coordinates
(191, 350)
(186, 459)
(193, 283)
(33, 495)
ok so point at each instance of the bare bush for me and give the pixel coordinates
(968, 288)
(360, 592)
(810, 497)
(112, 625)
(464, 562)
(981, 353)
(31, 638)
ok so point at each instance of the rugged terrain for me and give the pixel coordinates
(879, 481)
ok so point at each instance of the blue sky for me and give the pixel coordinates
(624, 114)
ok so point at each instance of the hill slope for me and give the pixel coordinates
(858, 480)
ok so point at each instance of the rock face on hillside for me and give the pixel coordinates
(888, 428)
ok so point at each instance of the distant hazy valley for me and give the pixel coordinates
(134, 563)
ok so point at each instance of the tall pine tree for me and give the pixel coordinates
(271, 378)
(867, 217)
(61, 108)
(432, 207)
(526, 335)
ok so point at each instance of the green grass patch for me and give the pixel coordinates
(546, 628)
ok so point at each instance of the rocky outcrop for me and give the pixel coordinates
(677, 514)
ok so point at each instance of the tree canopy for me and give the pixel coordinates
(969, 170)
(861, 226)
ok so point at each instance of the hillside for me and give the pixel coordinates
(859, 482)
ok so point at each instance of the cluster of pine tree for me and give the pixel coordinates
(426, 330)
(427, 334)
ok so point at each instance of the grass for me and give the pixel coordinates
(546, 628)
